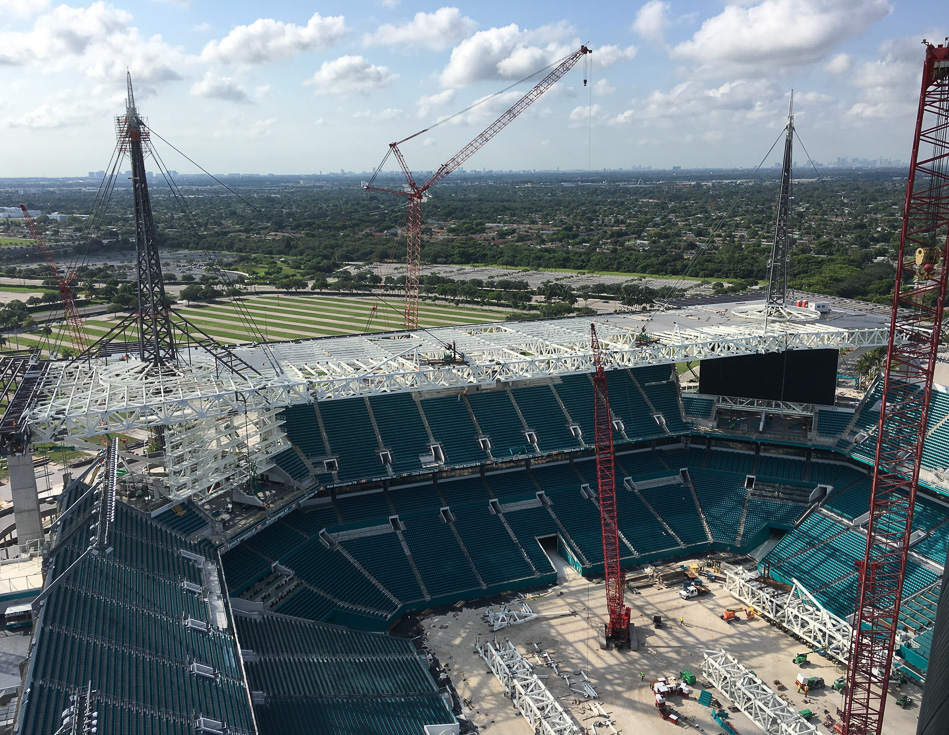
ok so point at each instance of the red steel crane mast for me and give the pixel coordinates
(416, 193)
(66, 295)
(915, 328)
(617, 629)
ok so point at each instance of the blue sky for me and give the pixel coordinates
(302, 87)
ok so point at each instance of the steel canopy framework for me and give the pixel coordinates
(82, 399)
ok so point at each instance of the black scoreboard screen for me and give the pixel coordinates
(799, 376)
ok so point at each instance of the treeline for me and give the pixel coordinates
(844, 229)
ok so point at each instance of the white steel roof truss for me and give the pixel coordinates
(753, 697)
(528, 693)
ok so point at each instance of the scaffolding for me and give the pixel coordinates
(543, 712)
(753, 697)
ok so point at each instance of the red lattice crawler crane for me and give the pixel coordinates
(617, 629)
(915, 328)
(416, 192)
(64, 282)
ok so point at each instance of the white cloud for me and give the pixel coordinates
(608, 55)
(624, 118)
(263, 128)
(62, 112)
(583, 115)
(23, 8)
(390, 113)
(351, 74)
(389, 3)
(713, 136)
(742, 99)
(889, 86)
(436, 31)
(505, 53)
(98, 42)
(651, 21)
(221, 88)
(839, 64)
(201, 27)
(267, 40)
(789, 32)
(602, 88)
(426, 103)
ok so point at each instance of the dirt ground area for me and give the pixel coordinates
(572, 642)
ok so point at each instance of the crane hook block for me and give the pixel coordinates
(927, 256)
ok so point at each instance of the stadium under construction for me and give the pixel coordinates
(404, 532)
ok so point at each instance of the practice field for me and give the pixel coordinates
(284, 317)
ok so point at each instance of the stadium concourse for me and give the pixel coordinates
(290, 617)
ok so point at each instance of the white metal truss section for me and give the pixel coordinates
(753, 697)
(486, 354)
(208, 457)
(543, 712)
(757, 405)
(796, 611)
(90, 398)
(505, 616)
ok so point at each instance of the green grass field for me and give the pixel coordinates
(288, 317)
(12, 241)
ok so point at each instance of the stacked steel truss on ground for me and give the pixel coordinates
(543, 712)
(796, 611)
(753, 697)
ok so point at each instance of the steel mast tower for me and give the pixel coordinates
(775, 306)
(416, 192)
(915, 329)
(155, 330)
(617, 629)
(778, 269)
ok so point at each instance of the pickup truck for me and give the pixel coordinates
(691, 591)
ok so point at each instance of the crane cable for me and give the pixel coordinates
(663, 303)
(473, 105)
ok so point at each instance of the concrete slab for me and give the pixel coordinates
(572, 642)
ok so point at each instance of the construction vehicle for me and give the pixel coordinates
(904, 701)
(721, 718)
(688, 677)
(840, 684)
(807, 683)
(687, 593)
(643, 339)
(806, 714)
(730, 615)
(800, 659)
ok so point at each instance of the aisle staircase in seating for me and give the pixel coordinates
(687, 481)
(411, 560)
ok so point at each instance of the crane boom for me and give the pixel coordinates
(617, 628)
(915, 328)
(66, 296)
(416, 193)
